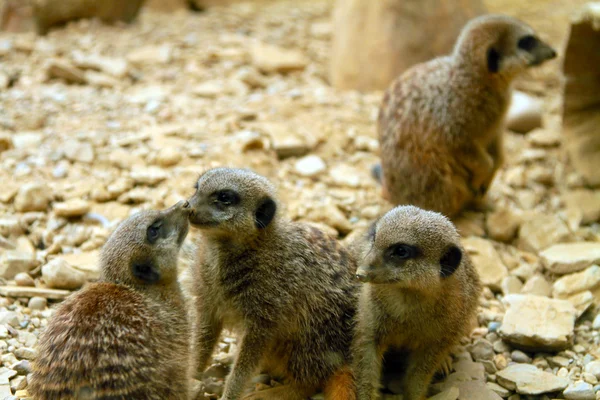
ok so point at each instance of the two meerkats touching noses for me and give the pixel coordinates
(305, 309)
(441, 122)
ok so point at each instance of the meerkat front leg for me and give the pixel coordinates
(207, 331)
(480, 164)
(247, 361)
(367, 363)
(420, 371)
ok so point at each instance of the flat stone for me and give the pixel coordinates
(71, 208)
(24, 279)
(537, 323)
(13, 262)
(487, 261)
(272, 59)
(542, 231)
(527, 379)
(25, 353)
(474, 370)
(309, 166)
(524, 113)
(58, 274)
(33, 197)
(593, 367)
(511, 284)
(537, 285)
(472, 390)
(6, 374)
(579, 390)
(345, 175)
(499, 390)
(544, 137)
(86, 262)
(582, 301)
(448, 394)
(19, 292)
(149, 176)
(588, 279)
(79, 151)
(570, 257)
(482, 350)
(117, 67)
(151, 55)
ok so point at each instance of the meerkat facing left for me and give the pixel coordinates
(286, 288)
(419, 296)
(125, 337)
(441, 122)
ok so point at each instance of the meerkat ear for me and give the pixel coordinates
(264, 213)
(145, 272)
(450, 261)
(493, 60)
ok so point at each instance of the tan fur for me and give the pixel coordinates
(127, 336)
(286, 288)
(440, 125)
(406, 305)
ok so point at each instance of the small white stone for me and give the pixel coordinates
(309, 166)
(579, 391)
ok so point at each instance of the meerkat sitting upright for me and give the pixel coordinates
(440, 124)
(286, 288)
(419, 297)
(126, 336)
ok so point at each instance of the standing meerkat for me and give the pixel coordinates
(419, 297)
(441, 122)
(286, 288)
(127, 336)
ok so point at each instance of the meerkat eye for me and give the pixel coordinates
(153, 231)
(527, 43)
(402, 251)
(227, 197)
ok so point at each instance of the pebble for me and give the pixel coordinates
(519, 357)
(58, 274)
(149, 176)
(25, 353)
(587, 279)
(593, 368)
(150, 55)
(511, 284)
(79, 151)
(63, 69)
(37, 303)
(537, 323)
(537, 285)
(33, 197)
(482, 350)
(502, 225)
(487, 261)
(567, 258)
(72, 208)
(579, 391)
(524, 113)
(527, 379)
(272, 59)
(13, 262)
(309, 166)
(24, 279)
(585, 201)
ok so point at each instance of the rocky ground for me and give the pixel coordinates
(97, 122)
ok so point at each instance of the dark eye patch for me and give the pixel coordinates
(145, 272)
(154, 231)
(226, 197)
(527, 43)
(402, 252)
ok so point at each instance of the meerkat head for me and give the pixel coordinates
(232, 203)
(411, 248)
(144, 248)
(501, 45)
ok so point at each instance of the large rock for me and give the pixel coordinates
(527, 379)
(581, 105)
(58, 274)
(487, 262)
(392, 35)
(588, 279)
(50, 13)
(537, 323)
(570, 257)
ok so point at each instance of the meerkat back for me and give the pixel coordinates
(125, 337)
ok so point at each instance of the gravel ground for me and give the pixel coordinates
(97, 122)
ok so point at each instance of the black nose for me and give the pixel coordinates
(186, 204)
(553, 53)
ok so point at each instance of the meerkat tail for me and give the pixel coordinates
(341, 386)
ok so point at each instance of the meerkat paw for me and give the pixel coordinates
(445, 367)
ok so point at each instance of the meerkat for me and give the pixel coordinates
(286, 288)
(126, 336)
(440, 124)
(419, 297)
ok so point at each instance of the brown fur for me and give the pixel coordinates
(127, 336)
(418, 305)
(287, 289)
(440, 125)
